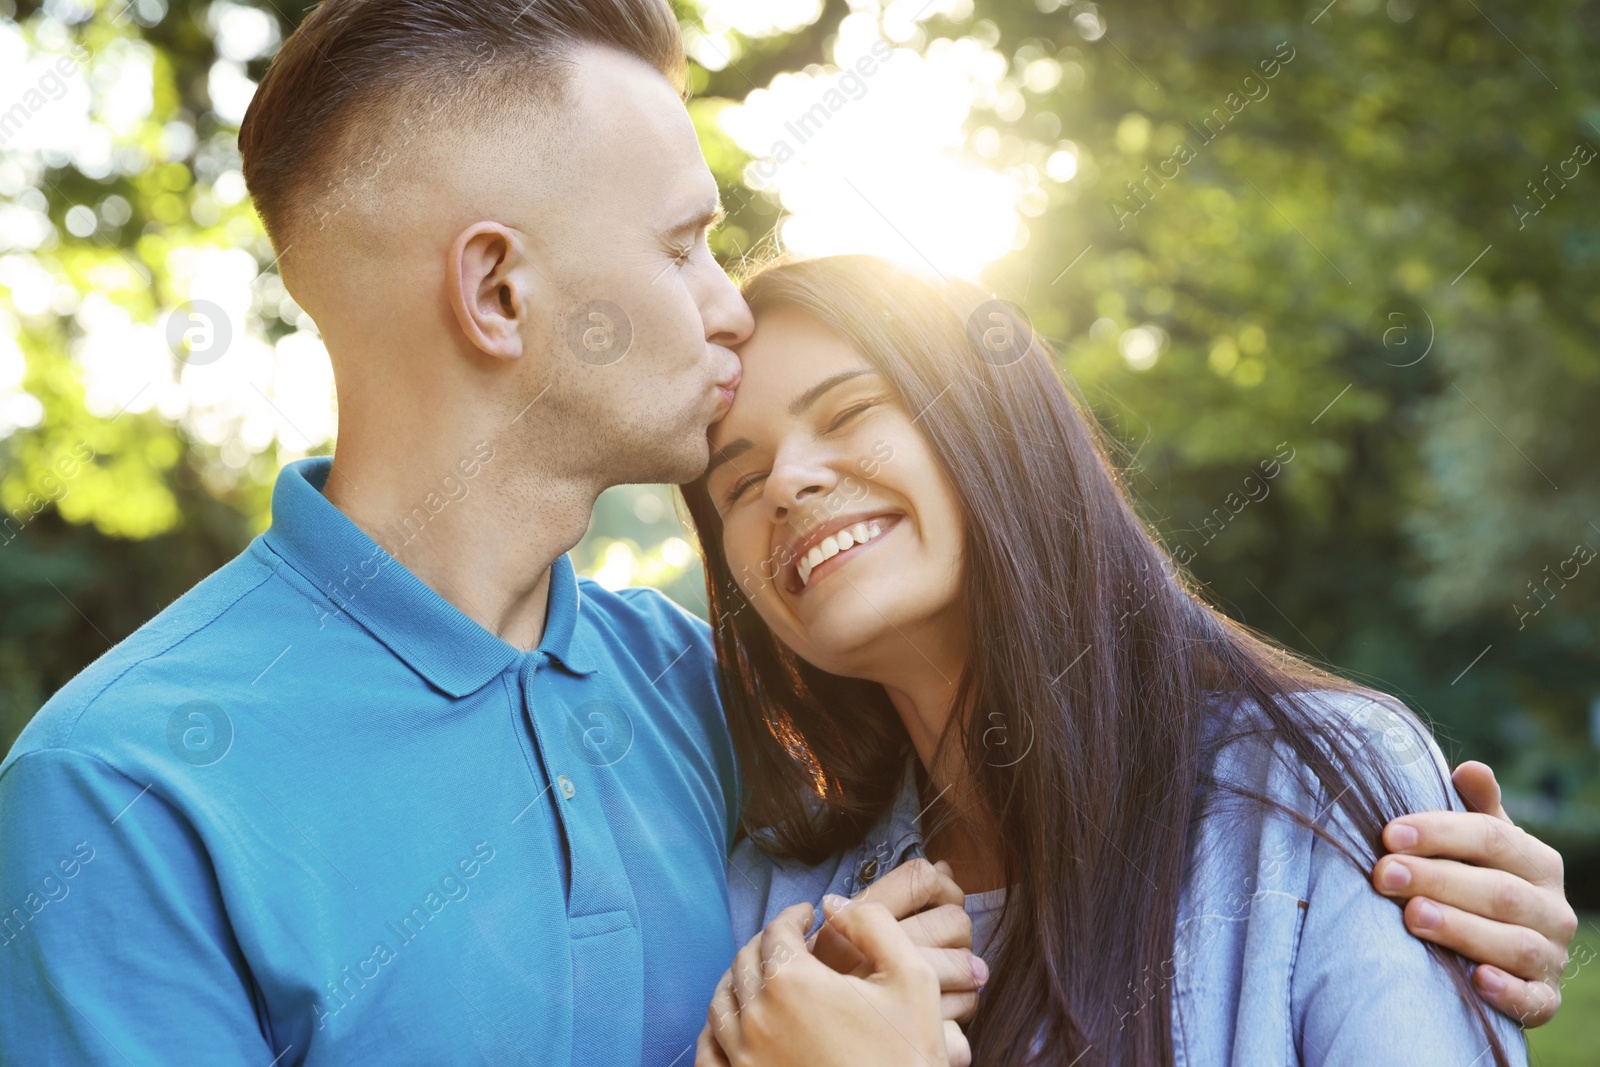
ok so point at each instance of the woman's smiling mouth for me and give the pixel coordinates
(842, 542)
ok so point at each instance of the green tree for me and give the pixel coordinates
(1358, 242)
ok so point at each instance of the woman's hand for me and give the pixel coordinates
(781, 1006)
(1476, 883)
(929, 905)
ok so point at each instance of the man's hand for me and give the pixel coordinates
(1490, 891)
(928, 904)
(781, 1006)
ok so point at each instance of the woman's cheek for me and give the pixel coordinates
(757, 567)
(748, 565)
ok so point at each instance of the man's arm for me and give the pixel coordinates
(114, 947)
(1478, 884)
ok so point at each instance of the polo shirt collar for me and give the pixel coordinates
(357, 578)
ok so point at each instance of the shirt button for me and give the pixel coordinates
(567, 788)
(868, 871)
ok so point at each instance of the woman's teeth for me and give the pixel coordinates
(835, 543)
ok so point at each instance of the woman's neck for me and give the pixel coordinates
(965, 836)
(925, 706)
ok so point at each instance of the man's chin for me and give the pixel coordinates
(693, 459)
(672, 462)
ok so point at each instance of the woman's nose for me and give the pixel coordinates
(796, 483)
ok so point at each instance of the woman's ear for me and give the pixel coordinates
(489, 288)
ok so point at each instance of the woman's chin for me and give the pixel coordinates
(847, 631)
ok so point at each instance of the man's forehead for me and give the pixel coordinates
(628, 128)
(612, 92)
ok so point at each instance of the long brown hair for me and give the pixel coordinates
(1093, 660)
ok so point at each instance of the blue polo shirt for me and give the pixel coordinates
(312, 814)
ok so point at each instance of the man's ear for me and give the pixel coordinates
(489, 288)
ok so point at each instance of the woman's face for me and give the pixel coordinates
(837, 523)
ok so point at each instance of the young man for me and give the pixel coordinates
(394, 786)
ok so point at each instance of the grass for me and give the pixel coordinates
(1572, 1038)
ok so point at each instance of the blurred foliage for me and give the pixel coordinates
(1240, 302)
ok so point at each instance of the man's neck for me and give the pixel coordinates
(478, 527)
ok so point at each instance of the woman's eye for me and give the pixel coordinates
(851, 412)
(736, 490)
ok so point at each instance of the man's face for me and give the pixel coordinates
(641, 342)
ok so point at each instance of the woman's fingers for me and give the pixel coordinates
(876, 934)
(746, 971)
(831, 948)
(783, 940)
(958, 1007)
(943, 940)
(925, 900)
(722, 1019)
(945, 926)
(1530, 1003)
(958, 970)
(1516, 950)
(913, 886)
(707, 1053)
(961, 975)
(1475, 838)
(955, 1044)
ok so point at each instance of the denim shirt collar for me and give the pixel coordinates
(895, 838)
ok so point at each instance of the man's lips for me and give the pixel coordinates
(728, 386)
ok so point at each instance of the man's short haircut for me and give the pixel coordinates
(351, 84)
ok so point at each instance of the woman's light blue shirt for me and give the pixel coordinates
(1284, 953)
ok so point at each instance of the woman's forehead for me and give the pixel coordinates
(790, 345)
(783, 365)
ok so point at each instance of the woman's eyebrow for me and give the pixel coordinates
(810, 396)
(728, 452)
(739, 446)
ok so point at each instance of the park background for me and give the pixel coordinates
(1363, 235)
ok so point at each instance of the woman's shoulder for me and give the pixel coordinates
(1281, 938)
(1238, 715)
(1317, 772)
(1369, 742)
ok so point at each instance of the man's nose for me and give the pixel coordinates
(727, 317)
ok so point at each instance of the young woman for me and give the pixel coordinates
(945, 632)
